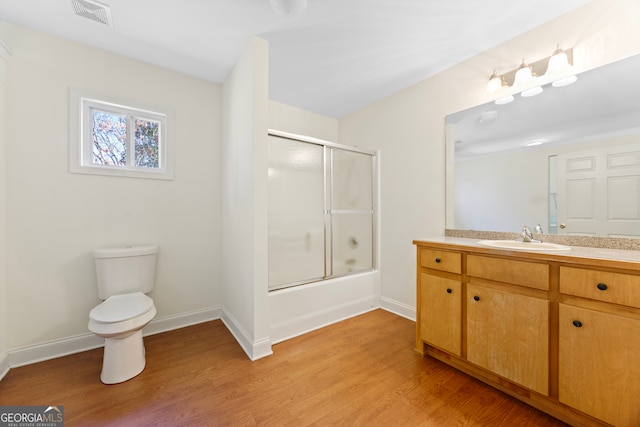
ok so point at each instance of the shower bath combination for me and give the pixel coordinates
(321, 210)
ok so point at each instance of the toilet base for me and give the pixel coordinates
(124, 358)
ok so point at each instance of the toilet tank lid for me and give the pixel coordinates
(125, 251)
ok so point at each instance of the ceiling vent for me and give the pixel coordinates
(93, 10)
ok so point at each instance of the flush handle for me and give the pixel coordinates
(602, 286)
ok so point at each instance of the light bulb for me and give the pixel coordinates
(495, 82)
(523, 75)
(558, 63)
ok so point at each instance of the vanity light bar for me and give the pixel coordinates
(528, 78)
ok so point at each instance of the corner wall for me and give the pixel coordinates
(245, 308)
(55, 218)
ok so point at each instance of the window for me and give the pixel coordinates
(109, 138)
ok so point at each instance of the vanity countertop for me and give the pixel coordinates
(596, 257)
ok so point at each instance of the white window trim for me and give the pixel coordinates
(81, 138)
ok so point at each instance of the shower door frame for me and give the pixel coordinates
(328, 211)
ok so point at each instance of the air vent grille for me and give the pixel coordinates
(92, 10)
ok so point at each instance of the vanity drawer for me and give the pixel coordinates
(441, 260)
(523, 273)
(618, 288)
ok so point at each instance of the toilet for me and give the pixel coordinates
(124, 276)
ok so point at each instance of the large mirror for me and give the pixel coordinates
(567, 159)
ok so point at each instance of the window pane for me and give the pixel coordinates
(109, 139)
(146, 145)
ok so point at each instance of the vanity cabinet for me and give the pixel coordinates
(441, 296)
(441, 316)
(508, 319)
(599, 344)
(508, 334)
(559, 332)
(599, 372)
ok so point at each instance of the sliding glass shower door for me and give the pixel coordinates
(351, 212)
(321, 211)
(296, 212)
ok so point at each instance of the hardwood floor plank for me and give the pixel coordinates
(362, 371)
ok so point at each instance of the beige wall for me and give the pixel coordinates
(408, 127)
(56, 218)
(4, 347)
(293, 120)
(245, 201)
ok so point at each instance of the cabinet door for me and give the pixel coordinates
(508, 334)
(441, 312)
(598, 368)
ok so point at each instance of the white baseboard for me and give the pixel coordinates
(4, 365)
(182, 320)
(398, 308)
(254, 349)
(76, 344)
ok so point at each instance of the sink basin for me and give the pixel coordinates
(523, 246)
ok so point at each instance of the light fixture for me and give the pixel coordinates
(560, 69)
(558, 61)
(534, 143)
(528, 79)
(523, 75)
(532, 92)
(504, 100)
(525, 78)
(565, 81)
(289, 8)
(495, 82)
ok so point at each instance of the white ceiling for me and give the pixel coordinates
(338, 57)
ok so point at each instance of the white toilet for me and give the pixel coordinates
(125, 275)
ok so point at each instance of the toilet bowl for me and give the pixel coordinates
(120, 320)
(124, 275)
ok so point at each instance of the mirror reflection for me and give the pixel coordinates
(567, 159)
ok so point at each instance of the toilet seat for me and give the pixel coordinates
(121, 313)
(118, 308)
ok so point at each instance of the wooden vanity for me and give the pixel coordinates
(557, 330)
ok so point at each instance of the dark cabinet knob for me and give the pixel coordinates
(602, 286)
(449, 290)
(577, 324)
(437, 260)
(476, 298)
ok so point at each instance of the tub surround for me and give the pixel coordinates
(557, 330)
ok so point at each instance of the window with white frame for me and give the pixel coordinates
(109, 138)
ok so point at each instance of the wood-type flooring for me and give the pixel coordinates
(362, 371)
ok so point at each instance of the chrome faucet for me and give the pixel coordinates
(527, 235)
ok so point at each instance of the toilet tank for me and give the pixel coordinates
(125, 269)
